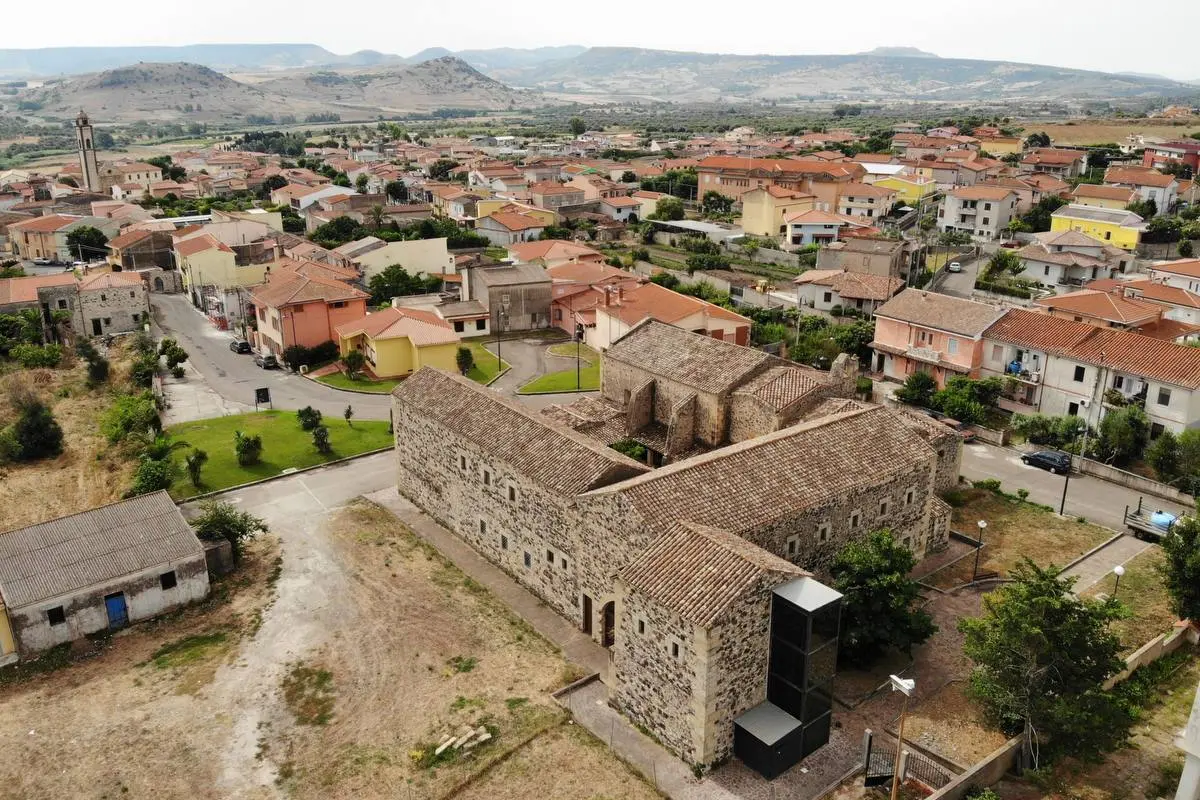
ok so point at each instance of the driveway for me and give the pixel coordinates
(233, 376)
(960, 284)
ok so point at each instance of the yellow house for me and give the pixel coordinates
(1001, 145)
(8, 645)
(1117, 227)
(485, 208)
(909, 190)
(397, 342)
(205, 261)
(1114, 197)
(765, 209)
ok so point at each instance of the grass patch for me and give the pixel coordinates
(285, 445)
(569, 349)
(49, 661)
(463, 663)
(308, 692)
(486, 367)
(188, 650)
(339, 380)
(586, 380)
(1015, 529)
(1143, 592)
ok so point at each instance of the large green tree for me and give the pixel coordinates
(1041, 656)
(1180, 569)
(668, 208)
(87, 243)
(879, 609)
(224, 521)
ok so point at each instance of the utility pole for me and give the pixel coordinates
(906, 686)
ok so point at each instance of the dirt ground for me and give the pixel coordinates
(1142, 590)
(330, 667)
(1103, 131)
(89, 473)
(951, 725)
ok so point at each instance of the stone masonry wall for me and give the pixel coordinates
(750, 418)
(120, 309)
(639, 412)
(740, 651)
(711, 410)
(681, 430)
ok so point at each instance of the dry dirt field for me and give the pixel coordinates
(1102, 131)
(331, 672)
(89, 473)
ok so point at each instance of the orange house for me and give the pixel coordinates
(296, 309)
(919, 331)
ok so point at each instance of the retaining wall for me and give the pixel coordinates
(1132, 481)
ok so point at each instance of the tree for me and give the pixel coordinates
(309, 418)
(224, 521)
(195, 461)
(879, 607)
(464, 359)
(953, 238)
(361, 182)
(396, 191)
(1180, 570)
(36, 434)
(629, 176)
(750, 248)
(354, 361)
(320, 438)
(1005, 262)
(1163, 456)
(1041, 656)
(272, 183)
(1038, 217)
(714, 202)
(1122, 436)
(1185, 249)
(1143, 208)
(394, 281)
(1037, 140)
(855, 339)
(348, 414)
(248, 448)
(668, 208)
(87, 243)
(577, 126)
(440, 170)
(917, 390)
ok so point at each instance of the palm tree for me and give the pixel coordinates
(375, 216)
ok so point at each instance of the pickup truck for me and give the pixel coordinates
(1149, 525)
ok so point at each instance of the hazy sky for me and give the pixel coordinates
(1100, 34)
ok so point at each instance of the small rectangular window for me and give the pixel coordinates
(823, 531)
(550, 556)
(1164, 396)
(854, 520)
(1079, 373)
(675, 649)
(167, 580)
(641, 626)
(793, 543)
(512, 494)
(883, 508)
(462, 463)
(908, 497)
(56, 615)
(503, 542)
(480, 324)
(528, 561)
(487, 477)
(482, 527)
(563, 563)
(62, 303)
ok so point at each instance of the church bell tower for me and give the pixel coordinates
(87, 153)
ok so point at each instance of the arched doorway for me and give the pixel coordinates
(608, 634)
(158, 284)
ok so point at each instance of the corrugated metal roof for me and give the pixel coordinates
(71, 553)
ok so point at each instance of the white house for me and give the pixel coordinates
(1056, 259)
(822, 289)
(981, 211)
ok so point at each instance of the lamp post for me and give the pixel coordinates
(1118, 570)
(906, 686)
(978, 547)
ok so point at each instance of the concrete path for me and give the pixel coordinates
(191, 398)
(525, 356)
(1100, 564)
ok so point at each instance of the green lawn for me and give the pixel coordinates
(285, 446)
(486, 368)
(338, 380)
(566, 380)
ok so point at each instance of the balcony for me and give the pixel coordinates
(927, 354)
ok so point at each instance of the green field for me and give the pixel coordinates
(285, 445)
(339, 380)
(486, 369)
(587, 380)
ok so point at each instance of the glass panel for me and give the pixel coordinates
(786, 696)
(816, 735)
(825, 624)
(822, 664)
(787, 662)
(817, 703)
(789, 623)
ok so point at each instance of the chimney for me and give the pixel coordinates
(620, 293)
(607, 294)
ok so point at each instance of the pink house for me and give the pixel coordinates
(293, 308)
(920, 331)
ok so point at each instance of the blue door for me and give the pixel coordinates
(118, 614)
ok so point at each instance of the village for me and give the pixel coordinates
(840, 463)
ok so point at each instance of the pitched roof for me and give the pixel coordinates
(807, 466)
(1189, 267)
(421, 327)
(1117, 349)
(515, 222)
(554, 249)
(931, 310)
(65, 555)
(1091, 191)
(551, 454)
(286, 287)
(853, 285)
(1052, 155)
(847, 169)
(1138, 177)
(587, 272)
(129, 237)
(780, 387)
(698, 572)
(620, 201)
(110, 280)
(24, 290)
(46, 224)
(1102, 305)
(693, 359)
(866, 190)
(198, 244)
(981, 193)
(651, 301)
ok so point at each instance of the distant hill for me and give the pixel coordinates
(51, 61)
(900, 52)
(625, 72)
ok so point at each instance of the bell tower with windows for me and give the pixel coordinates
(87, 152)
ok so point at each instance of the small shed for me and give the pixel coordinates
(96, 570)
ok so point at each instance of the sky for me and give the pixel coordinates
(1099, 34)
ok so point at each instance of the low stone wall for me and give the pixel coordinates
(767, 255)
(1161, 645)
(990, 436)
(983, 773)
(1132, 481)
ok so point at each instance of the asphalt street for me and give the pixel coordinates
(1096, 500)
(234, 376)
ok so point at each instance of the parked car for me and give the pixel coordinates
(267, 361)
(240, 346)
(42, 262)
(1058, 462)
(954, 266)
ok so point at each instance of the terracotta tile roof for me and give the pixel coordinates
(314, 269)
(814, 217)
(516, 222)
(1189, 267)
(621, 202)
(651, 301)
(179, 233)
(46, 224)
(1137, 177)
(699, 572)
(853, 285)
(128, 238)
(996, 193)
(554, 249)
(706, 364)
(84, 550)
(939, 311)
(1168, 330)
(808, 466)
(1037, 251)
(588, 272)
(1052, 155)
(786, 194)
(1122, 350)
(553, 187)
(110, 280)
(1091, 191)
(780, 387)
(1157, 292)
(289, 288)
(422, 328)
(198, 244)
(24, 290)
(1102, 305)
(783, 166)
(866, 190)
(547, 452)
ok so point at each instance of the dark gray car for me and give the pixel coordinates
(1058, 462)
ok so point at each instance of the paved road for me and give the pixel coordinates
(961, 284)
(1096, 500)
(234, 377)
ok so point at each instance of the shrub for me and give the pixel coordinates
(464, 359)
(917, 390)
(10, 448)
(195, 461)
(320, 437)
(153, 476)
(224, 521)
(298, 356)
(177, 371)
(309, 417)
(143, 370)
(32, 356)
(354, 361)
(97, 371)
(130, 413)
(36, 433)
(247, 448)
